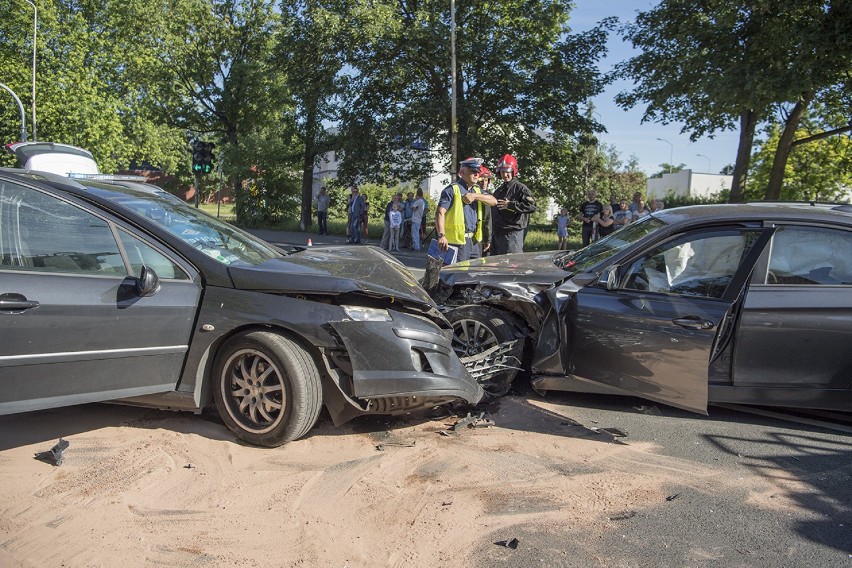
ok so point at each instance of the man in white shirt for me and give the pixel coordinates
(418, 207)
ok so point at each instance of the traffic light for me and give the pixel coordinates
(202, 157)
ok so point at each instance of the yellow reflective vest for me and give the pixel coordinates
(454, 219)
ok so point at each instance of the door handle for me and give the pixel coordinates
(693, 322)
(16, 303)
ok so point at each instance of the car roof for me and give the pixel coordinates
(760, 211)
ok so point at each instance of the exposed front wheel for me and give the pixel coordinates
(267, 388)
(477, 329)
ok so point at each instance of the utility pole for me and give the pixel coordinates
(454, 136)
(35, 37)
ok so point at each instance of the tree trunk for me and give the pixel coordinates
(785, 144)
(748, 121)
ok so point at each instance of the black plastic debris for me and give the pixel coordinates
(623, 516)
(189, 466)
(511, 543)
(672, 497)
(381, 447)
(55, 455)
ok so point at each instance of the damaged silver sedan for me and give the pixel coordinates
(109, 292)
(746, 304)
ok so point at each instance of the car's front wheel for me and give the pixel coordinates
(479, 328)
(267, 388)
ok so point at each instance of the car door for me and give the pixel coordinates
(653, 331)
(795, 332)
(73, 325)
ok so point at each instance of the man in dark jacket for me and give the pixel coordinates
(511, 215)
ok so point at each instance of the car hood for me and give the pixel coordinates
(527, 267)
(333, 270)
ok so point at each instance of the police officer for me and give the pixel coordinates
(457, 219)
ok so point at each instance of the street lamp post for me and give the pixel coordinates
(35, 36)
(709, 168)
(671, 153)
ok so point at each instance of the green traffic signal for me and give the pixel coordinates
(202, 157)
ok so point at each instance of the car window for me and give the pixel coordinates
(810, 256)
(592, 255)
(141, 253)
(39, 232)
(218, 240)
(701, 264)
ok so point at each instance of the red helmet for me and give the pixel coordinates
(485, 172)
(508, 163)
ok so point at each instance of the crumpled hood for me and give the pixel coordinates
(530, 267)
(333, 270)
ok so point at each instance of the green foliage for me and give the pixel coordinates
(712, 63)
(87, 91)
(816, 171)
(526, 73)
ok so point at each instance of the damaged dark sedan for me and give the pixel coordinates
(748, 304)
(109, 292)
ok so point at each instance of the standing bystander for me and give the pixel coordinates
(512, 214)
(322, 200)
(588, 210)
(418, 208)
(357, 207)
(562, 221)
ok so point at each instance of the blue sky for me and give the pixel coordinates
(625, 130)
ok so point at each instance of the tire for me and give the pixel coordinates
(478, 328)
(267, 388)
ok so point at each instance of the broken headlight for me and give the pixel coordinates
(359, 313)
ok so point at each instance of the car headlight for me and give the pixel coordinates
(359, 313)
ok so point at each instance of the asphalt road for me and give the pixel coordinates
(803, 519)
(807, 522)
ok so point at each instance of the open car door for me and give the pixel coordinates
(651, 326)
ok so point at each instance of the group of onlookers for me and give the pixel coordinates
(469, 216)
(476, 221)
(600, 220)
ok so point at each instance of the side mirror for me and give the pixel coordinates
(609, 277)
(148, 282)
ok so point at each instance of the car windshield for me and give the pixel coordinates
(587, 258)
(216, 239)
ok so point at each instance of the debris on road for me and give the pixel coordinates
(470, 421)
(651, 409)
(55, 454)
(381, 447)
(511, 543)
(672, 497)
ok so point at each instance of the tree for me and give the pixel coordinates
(713, 63)
(820, 170)
(311, 51)
(214, 79)
(522, 84)
(88, 93)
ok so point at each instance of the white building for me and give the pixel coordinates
(328, 165)
(687, 183)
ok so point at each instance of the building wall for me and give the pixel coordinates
(328, 166)
(687, 183)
